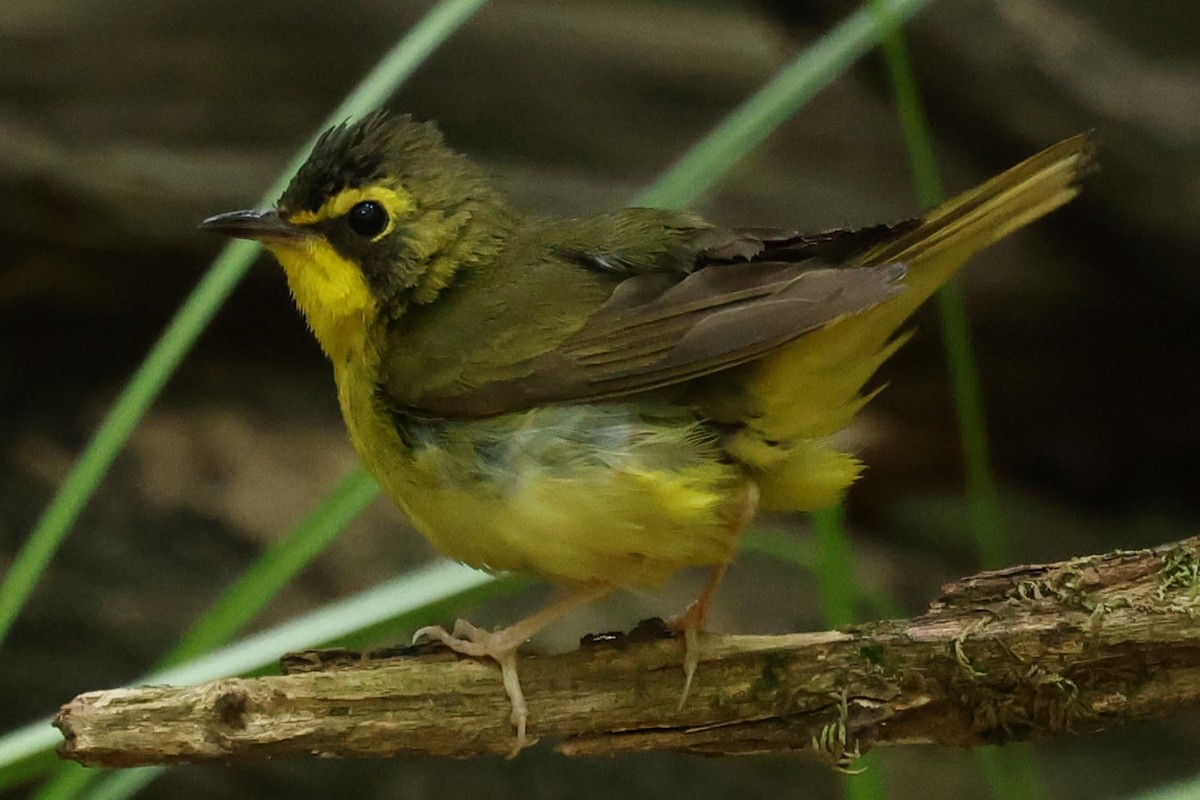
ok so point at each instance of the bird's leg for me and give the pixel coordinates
(501, 646)
(693, 620)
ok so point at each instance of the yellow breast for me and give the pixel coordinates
(575, 494)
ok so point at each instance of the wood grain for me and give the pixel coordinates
(1008, 655)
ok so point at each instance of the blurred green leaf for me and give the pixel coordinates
(1011, 773)
(194, 315)
(702, 167)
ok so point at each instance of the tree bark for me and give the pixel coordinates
(1008, 655)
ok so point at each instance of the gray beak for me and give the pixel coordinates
(260, 225)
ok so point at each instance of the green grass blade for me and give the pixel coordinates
(804, 553)
(404, 603)
(840, 604)
(927, 180)
(81, 482)
(835, 568)
(745, 128)
(69, 780)
(868, 784)
(174, 343)
(985, 520)
(126, 783)
(407, 598)
(1187, 789)
(411, 593)
(714, 155)
(275, 568)
(241, 602)
(781, 545)
(1011, 773)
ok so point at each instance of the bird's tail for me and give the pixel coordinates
(791, 400)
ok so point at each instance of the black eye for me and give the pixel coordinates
(367, 219)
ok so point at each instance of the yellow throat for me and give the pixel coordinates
(331, 293)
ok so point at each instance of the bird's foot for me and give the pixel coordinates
(500, 646)
(691, 622)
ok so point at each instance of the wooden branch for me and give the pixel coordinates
(1013, 654)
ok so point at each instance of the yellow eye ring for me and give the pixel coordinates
(394, 202)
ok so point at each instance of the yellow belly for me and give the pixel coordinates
(632, 527)
(576, 494)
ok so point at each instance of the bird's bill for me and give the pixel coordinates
(264, 225)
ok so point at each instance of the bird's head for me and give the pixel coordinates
(380, 216)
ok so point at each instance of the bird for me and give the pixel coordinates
(603, 400)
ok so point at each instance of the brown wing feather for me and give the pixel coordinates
(772, 244)
(699, 300)
(652, 333)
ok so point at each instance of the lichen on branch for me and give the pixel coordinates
(1012, 654)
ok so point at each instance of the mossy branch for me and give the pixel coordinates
(1012, 654)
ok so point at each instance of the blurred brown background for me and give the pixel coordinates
(123, 124)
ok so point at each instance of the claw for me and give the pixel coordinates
(691, 659)
(430, 633)
(691, 622)
(501, 646)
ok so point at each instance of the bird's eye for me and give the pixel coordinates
(368, 218)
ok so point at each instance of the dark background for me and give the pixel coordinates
(123, 124)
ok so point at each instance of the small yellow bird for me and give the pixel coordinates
(599, 401)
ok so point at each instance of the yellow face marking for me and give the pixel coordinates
(396, 201)
(330, 291)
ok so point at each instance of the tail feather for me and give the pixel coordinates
(957, 229)
(811, 387)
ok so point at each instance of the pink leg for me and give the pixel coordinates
(694, 619)
(691, 622)
(501, 646)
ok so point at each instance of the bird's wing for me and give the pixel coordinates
(725, 306)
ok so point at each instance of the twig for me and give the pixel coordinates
(1013, 654)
